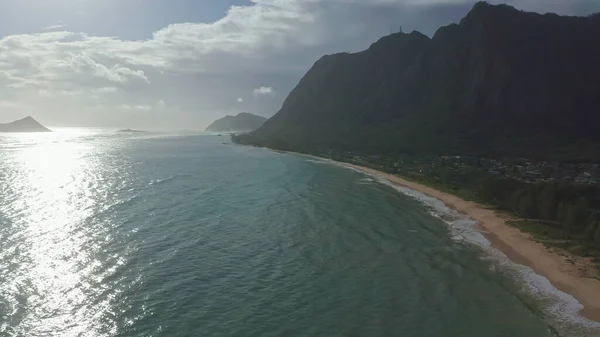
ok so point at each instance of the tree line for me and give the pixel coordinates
(572, 209)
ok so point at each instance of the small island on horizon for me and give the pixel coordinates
(27, 124)
(132, 131)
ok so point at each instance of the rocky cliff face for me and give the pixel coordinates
(502, 82)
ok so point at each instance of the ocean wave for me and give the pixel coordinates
(366, 181)
(162, 180)
(319, 161)
(560, 309)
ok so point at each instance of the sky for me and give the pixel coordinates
(180, 64)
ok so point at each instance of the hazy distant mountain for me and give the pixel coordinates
(243, 122)
(131, 131)
(502, 82)
(27, 124)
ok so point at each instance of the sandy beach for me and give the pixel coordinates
(563, 272)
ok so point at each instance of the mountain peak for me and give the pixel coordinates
(28, 119)
(27, 124)
(482, 10)
(484, 6)
(397, 40)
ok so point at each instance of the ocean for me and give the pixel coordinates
(108, 234)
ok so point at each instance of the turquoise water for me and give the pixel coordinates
(106, 234)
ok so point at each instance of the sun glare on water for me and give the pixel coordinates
(55, 184)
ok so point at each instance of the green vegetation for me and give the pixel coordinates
(554, 211)
(560, 214)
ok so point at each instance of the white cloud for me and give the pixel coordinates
(9, 104)
(263, 91)
(143, 107)
(52, 27)
(105, 90)
(245, 33)
(135, 107)
(71, 93)
(161, 103)
(240, 100)
(82, 63)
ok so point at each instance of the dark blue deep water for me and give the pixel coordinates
(105, 234)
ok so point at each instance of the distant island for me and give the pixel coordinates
(131, 131)
(243, 122)
(27, 124)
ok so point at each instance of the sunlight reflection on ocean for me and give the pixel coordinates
(53, 184)
(63, 246)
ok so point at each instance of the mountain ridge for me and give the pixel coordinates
(501, 82)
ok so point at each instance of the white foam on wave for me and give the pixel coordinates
(561, 309)
(366, 181)
(316, 161)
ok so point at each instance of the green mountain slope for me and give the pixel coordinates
(502, 82)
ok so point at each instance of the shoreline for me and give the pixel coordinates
(519, 247)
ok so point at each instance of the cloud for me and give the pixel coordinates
(143, 107)
(52, 27)
(134, 107)
(58, 60)
(9, 104)
(245, 34)
(105, 90)
(161, 103)
(240, 100)
(263, 91)
(83, 63)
